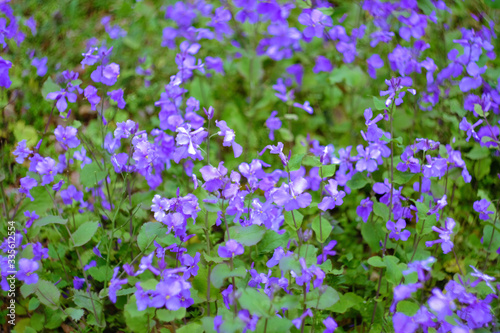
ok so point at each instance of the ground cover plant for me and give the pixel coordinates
(250, 166)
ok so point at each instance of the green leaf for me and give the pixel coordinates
(394, 271)
(49, 220)
(75, 314)
(479, 110)
(295, 162)
(48, 294)
(289, 219)
(289, 263)
(222, 271)
(381, 210)
(82, 299)
(91, 174)
(272, 240)
(247, 236)
(137, 321)
(28, 289)
(346, 302)
(149, 231)
(33, 304)
(216, 260)
(167, 315)
(275, 324)
(200, 285)
(357, 181)
(379, 103)
(322, 301)
(191, 328)
(478, 152)
(291, 116)
(322, 230)
(328, 170)
(312, 161)
(402, 177)
(255, 302)
(84, 233)
(49, 86)
(408, 308)
(376, 261)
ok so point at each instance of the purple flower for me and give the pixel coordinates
(26, 272)
(41, 65)
(396, 228)
(91, 264)
(420, 267)
(125, 129)
(250, 321)
(90, 94)
(403, 323)
(5, 65)
(465, 126)
(209, 113)
(60, 97)
(32, 216)
(47, 168)
(482, 277)
(117, 96)
(315, 21)
(481, 206)
(27, 183)
(330, 325)
(217, 323)
(168, 293)
(213, 177)
(441, 203)
(292, 196)
(227, 296)
(396, 85)
(188, 143)
(67, 136)
(367, 158)
(278, 254)
(297, 71)
(402, 292)
(334, 198)
(115, 284)
(229, 136)
(364, 209)
(273, 123)
(215, 63)
(327, 251)
(82, 157)
(441, 304)
(31, 23)
(231, 249)
(78, 282)
(107, 75)
(21, 152)
(278, 150)
(322, 65)
(473, 81)
(374, 62)
(297, 322)
(444, 235)
(306, 107)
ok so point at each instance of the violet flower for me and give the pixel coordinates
(481, 206)
(444, 235)
(26, 272)
(115, 284)
(396, 228)
(231, 249)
